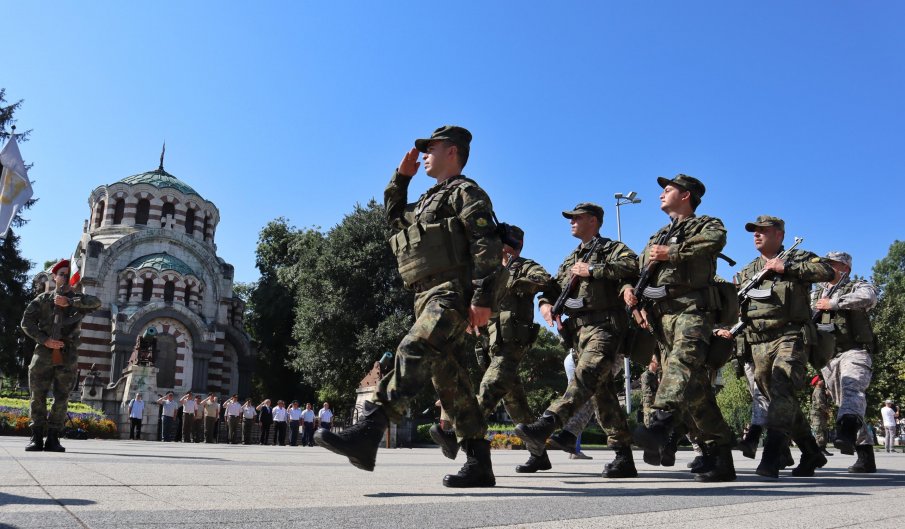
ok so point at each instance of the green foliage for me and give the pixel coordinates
(889, 360)
(542, 371)
(734, 400)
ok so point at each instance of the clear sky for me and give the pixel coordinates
(302, 109)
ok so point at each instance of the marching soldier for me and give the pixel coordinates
(778, 323)
(841, 306)
(683, 308)
(820, 411)
(596, 327)
(54, 320)
(448, 252)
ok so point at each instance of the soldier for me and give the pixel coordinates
(448, 252)
(778, 320)
(596, 328)
(509, 335)
(820, 411)
(682, 314)
(650, 382)
(53, 320)
(841, 306)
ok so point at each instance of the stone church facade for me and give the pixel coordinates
(148, 252)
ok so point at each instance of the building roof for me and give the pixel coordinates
(160, 262)
(160, 179)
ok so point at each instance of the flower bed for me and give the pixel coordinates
(14, 419)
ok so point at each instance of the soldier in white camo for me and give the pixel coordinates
(841, 308)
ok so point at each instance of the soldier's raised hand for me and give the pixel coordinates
(409, 164)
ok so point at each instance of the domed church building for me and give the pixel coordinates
(148, 251)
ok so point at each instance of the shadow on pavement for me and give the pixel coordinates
(12, 499)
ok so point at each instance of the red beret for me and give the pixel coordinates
(62, 264)
(815, 380)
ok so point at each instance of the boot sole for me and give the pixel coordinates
(715, 479)
(533, 446)
(767, 474)
(844, 447)
(324, 442)
(559, 446)
(443, 443)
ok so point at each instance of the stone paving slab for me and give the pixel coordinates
(127, 484)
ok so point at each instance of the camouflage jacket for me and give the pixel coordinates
(692, 253)
(781, 300)
(37, 322)
(525, 279)
(848, 318)
(460, 198)
(615, 267)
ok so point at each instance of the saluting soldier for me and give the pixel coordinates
(448, 251)
(778, 321)
(508, 336)
(683, 311)
(596, 327)
(54, 320)
(841, 306)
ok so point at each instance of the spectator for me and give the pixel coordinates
(198, 425)
(889, 425)
(295, 416)
(136, 414)
(325, 417)
(265, 417)
(279, 419)
(308, 417)
(233, 412)
(169, 404)
(248, 420)
(211, 411)
(188, 416)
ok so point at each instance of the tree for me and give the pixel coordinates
(889, 359)
(542, 371)
(15, 291)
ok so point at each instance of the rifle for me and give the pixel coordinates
(648, 273)
(743, 292)
(829, 295)
(56, 355)
(564, 301)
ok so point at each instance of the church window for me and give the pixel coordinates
(190, 221)
(147, 289)
(99, 214)
(169, 210)
(142, 212)
(118, 211)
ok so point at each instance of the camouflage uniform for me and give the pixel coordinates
(43, 375)
(598, 328)
(458, 268)
(778, 323)
(684, 322)
(649, 385)
(510, 334)
(819, 414)
(849, 372)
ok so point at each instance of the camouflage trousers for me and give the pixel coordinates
(759, 403)
(435, 349)
(685, 387)
(649, 385)
(577, 424)
(44, 378)
(847, 376)
(597, 345)
(817, 420)
(780, 368)
(501, 380)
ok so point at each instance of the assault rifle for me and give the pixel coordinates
(564, 301)
(642, 287)
(829, 295)
(56, 355)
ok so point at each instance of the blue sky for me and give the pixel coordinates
(302, 109)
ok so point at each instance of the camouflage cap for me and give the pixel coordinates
(588, 208)
(765, 221)
(512, 235)
(840, 257)
(688, 183)
(453, 133)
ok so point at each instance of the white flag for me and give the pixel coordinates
(15, 189)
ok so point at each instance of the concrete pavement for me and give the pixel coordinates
(124, 484)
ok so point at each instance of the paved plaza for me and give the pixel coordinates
(130, 484)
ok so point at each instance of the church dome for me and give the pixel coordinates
(160, 262)
(160, 179)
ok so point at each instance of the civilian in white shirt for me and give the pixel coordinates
(136, 414)
(280, 416)
(308, 417)
(325, 417)
(233, 413)
(295, 416)
(248, 419)
(170, 406)
(889, 425)
(198, 428)
(188, 416)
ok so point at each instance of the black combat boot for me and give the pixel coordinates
(865, 463)
(477, 472)
(748, 444)
(536, 434)
(811, 458)
(668, 452)
(723, 467)
(359, 441)
(36, 444)
(847, 433)
(786, 460)
(771, 457)
(564, 440)
(623, 466)
(825, 452)
(534, 464)
(655, 436)
(52, 444)
(652, 457)
(446, 439)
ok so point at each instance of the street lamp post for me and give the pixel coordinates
(622, 199)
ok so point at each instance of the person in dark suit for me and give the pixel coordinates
(265, 417)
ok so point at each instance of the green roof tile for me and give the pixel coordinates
(160, 179)
(160, 262)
